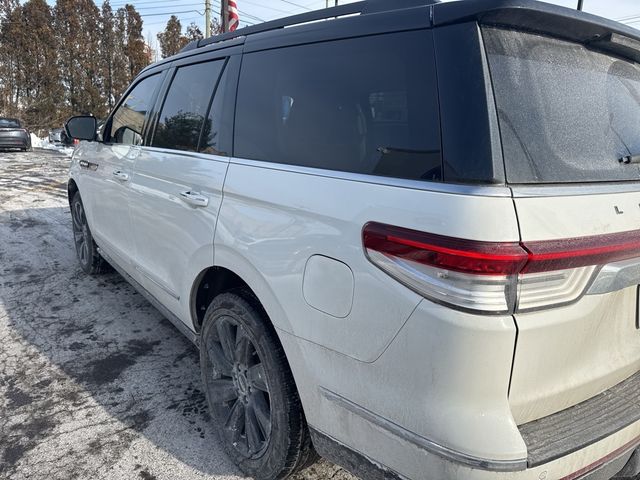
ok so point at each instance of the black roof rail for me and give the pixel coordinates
(363, 7)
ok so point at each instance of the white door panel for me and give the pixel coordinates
(278, 219)
(106, 196)
(173, 236)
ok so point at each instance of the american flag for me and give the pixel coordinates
(232, 15)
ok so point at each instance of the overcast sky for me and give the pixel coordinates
(156, 13)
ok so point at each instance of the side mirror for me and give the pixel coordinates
(82, 127)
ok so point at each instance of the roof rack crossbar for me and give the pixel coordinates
(324, 14)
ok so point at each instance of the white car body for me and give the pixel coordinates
(412, 385)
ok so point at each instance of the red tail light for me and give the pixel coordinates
(580, 252)
(485, 276)
(467, 256)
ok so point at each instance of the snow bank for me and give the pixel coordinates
(44, 143)
(36, 141)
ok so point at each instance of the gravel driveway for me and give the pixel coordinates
(94, 383)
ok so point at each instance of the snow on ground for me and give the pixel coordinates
(44, 143)
(94, 383)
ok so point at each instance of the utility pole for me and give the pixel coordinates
(580, 2)
(224, 15)
(207, 18)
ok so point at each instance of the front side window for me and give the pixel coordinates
(183, 115)
(365, 105)
(129, 119)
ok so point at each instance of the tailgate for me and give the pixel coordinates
(568, 354)
(569, 117)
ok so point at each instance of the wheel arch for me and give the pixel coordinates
(210, 283)
(231, 270)
(72, 189)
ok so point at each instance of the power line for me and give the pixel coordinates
(218, 6)
(164, 6)
(170, 13)
(135, 4)
(630, 17)
(295, 4)
(266, 7)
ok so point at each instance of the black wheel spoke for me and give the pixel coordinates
(237, 384)
(257, 377)
(218, 361)
(222, 391)
(227, 337)
(262, 413)
(244, 348)
(252, 429)
(235, 421)
(78, 215)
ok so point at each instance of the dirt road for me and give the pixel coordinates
(94, 383)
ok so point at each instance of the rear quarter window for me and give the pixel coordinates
(365, 105)
(9, 123)
(567, 113)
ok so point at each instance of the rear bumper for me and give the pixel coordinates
(577, 427)
(14, 142)
(435, 405)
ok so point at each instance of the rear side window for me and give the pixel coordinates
(129, 119)
(9, 123)
(365, 105)
(183, 114)
(566, 113)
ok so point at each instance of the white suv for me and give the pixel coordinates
(404, 235)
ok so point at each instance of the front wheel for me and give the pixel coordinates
(86, 249)
(250, 390)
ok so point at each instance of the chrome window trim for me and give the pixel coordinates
(567, 190)
(187, 153)
(425, 443)
(437, 187)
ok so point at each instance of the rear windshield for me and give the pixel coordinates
(9, 123)
(567, 113)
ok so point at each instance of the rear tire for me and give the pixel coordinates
(86, 249)
(250, 390)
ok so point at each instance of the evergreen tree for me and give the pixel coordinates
(194, 32)
(11, 39)
(39, 75)
(70, 59)
(171, 40)
(77, 23)
(108, 52)
(134, 47)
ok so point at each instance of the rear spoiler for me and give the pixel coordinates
(539, 17)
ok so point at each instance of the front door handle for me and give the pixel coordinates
(194, 198)
(121, 175)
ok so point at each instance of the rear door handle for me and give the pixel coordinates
(121, 175)
(194, 198)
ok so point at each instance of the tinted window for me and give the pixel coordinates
(129, 119)
(9, 123)
(366, 105)
(217, 131)
(185, 107)
(567, 113)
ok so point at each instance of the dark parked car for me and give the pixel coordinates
(14, 135)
